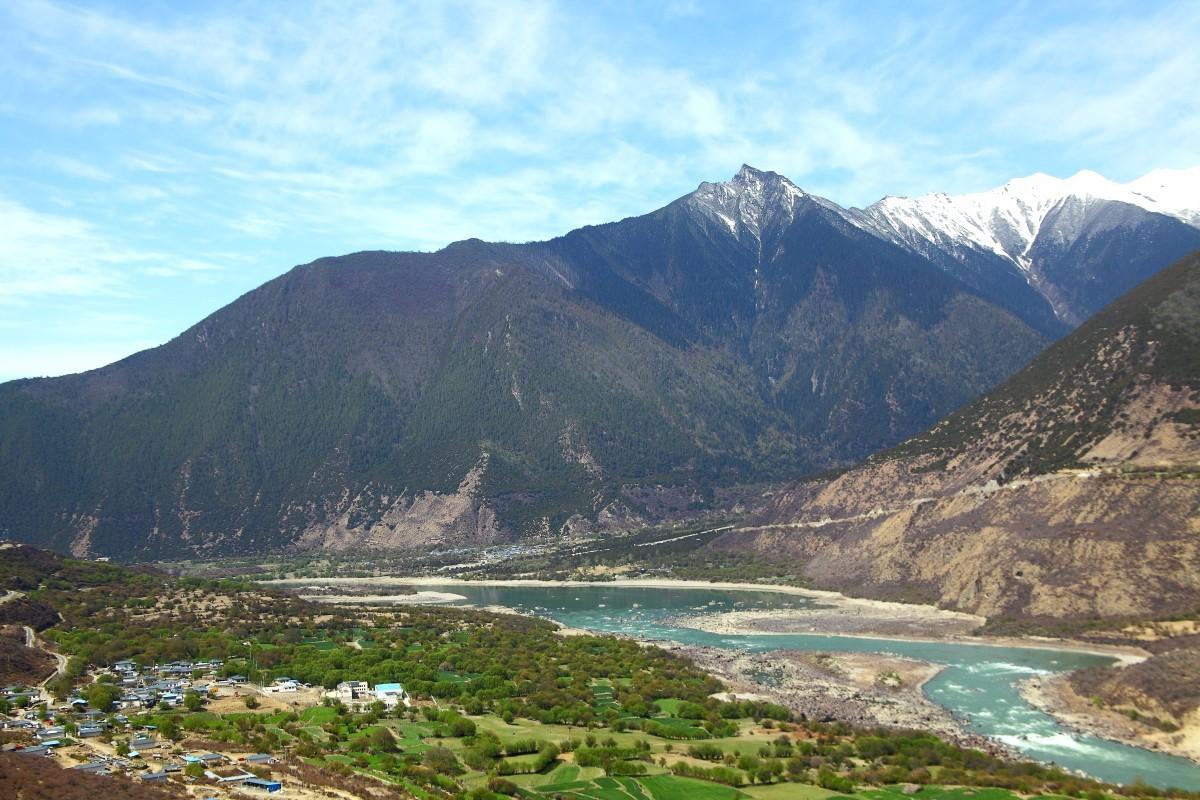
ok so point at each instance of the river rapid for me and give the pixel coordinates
(979, 683)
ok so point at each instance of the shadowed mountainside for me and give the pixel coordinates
(1072, 490)
(619, 375)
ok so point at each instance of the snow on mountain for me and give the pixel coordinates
(1051, 250)
(1006, 221)
(1173, 191)
(749, 204)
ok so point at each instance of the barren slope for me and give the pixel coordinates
(1073, 490)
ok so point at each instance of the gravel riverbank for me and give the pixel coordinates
(1055, 695)
(862, 689)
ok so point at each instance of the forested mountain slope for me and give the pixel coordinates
(746, 332)
(1072, 490)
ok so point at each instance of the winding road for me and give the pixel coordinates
(31, 641)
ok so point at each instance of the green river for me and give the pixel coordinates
(978, 684)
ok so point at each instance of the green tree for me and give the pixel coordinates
(170, 729)
(101, 696)
(441, 760)
(382, 741)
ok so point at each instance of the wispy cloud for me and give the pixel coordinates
(162, 138)
(50, 254)
(72, 167)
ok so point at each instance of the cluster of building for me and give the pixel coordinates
(165, 684)
(359, 694)
(284, 686)
(140, 688)
(87, 724)
(148, 759)
(221, 770)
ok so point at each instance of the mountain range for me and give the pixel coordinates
(624, 373)
(1076, 243)
(1072, 490)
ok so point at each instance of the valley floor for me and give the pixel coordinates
(832, 613)
(864, 689)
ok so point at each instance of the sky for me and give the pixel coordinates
(158, 160)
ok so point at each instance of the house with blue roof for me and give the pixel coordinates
(391, 694)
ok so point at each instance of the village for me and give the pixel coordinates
(97, 729)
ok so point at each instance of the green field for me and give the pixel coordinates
(651, 787)
(318, 715)
(675, 728)
(602, 690)
(939, 793)
(670, 706)
(790, 791)
(563, 773)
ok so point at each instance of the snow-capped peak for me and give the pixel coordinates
(1173, 191)
(1006, 220)
(750, 203)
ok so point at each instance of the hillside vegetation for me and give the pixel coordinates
(501, 705)
(1071, 491)
(493, 391)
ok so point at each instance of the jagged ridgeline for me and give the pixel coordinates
(746, 332)
(1070, 491)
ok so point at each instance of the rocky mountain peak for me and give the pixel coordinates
(748, 204)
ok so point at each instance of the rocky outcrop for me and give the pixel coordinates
(424, 519)
(1069, 545)
(828, 687)
(1072, 491)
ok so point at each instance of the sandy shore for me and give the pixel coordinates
(645, 583)
(1054, 695)
(845, 619)
(918, 627)
(832, 613)
(416, 598)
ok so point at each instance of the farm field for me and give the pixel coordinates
(497, 705)
(652, 787)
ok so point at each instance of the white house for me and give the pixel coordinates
(351, 692)
(283, 685)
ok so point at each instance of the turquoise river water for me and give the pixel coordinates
(978, 684)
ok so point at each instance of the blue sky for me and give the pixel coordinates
(159, 159)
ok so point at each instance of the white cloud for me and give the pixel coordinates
(187, 266)
(49, 254)
(73, 167)
(294, 131)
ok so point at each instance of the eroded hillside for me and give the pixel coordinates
(1073, 490)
